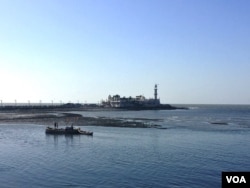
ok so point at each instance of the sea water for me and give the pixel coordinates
(196, 147)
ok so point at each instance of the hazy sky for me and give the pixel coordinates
(198, 51)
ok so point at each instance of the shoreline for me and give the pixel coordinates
(66, 118)
(79, 107)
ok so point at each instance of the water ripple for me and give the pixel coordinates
(190, 152)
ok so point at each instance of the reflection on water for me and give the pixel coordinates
(65, 139)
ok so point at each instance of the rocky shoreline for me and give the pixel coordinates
(67, 118)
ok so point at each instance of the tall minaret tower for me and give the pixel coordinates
(155, 92)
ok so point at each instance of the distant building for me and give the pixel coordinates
(139, 101)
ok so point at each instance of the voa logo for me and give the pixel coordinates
(236, 179)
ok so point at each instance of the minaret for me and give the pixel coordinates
(155, 91)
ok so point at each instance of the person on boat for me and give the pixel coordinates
(56, 125)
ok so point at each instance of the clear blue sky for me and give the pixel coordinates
(198, 51)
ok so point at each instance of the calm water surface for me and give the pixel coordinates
(192, 152)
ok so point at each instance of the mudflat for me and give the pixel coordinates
(64, 118)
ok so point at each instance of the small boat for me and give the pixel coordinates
(67, 131)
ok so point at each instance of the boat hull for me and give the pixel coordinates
(66, 131)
